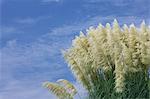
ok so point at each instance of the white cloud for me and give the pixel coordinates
(46, 1)
(30, 20)
(5, 30)
(113, 2)
(31, 57)
(27, 20)
(8, 29)
(18, 90)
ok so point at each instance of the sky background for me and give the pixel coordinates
(33, 33)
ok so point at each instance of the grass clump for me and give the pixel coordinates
(112, 62)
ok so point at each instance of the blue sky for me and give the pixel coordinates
(33, 32)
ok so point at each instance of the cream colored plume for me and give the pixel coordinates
(58, 90)
(125, 49)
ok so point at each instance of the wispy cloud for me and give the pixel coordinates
(16, 89)
(118, 7)
(31, 20)
(48, 1)
(9, 30)
(120, 3)
(113, 2)
(27, 20)
(34, 61)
